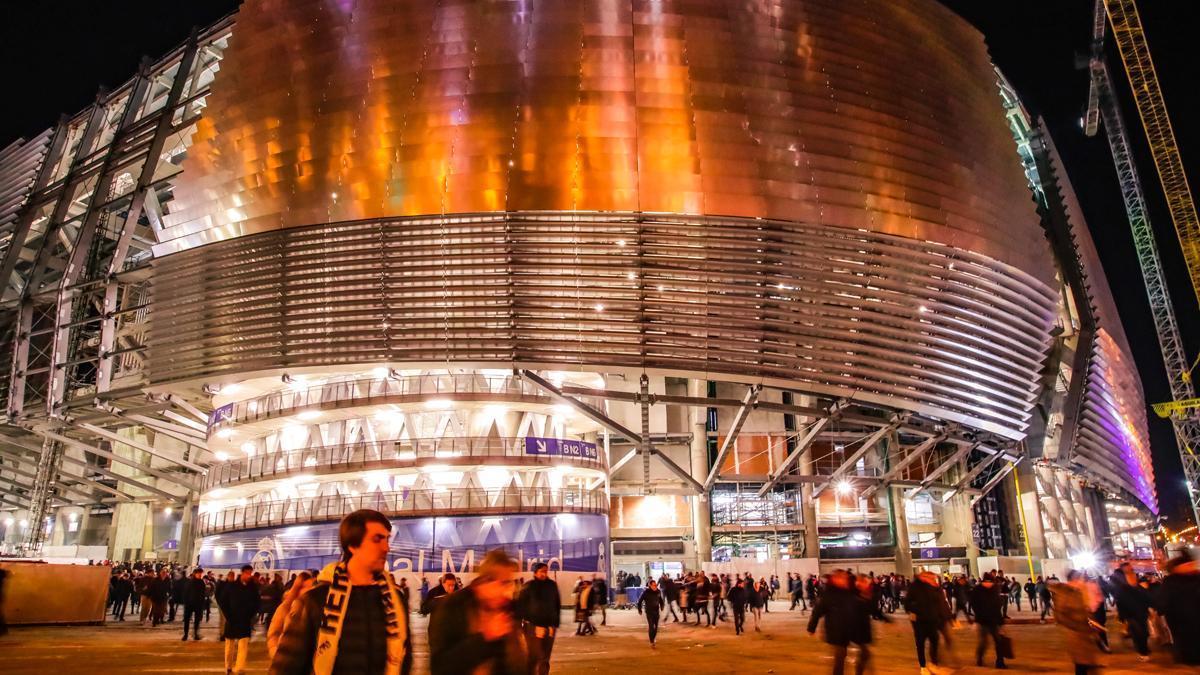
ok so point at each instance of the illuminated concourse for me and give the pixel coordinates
(628, 288)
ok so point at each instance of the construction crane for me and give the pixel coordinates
(1184, 409)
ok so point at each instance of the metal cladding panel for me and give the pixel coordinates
(1113, 443)
(872, 115)
(843, 312)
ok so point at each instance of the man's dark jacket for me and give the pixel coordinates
(988, 605)
(454, 648)
(540, 603)
(298, 643)
(928, 603)
(194, 595)
(239, 604)
(847, 617)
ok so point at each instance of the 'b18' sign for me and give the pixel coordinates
(559, 447)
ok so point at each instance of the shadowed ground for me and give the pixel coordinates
(782, 647)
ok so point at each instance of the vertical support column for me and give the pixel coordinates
(904, 561)
(187, 537)
(43, 490)
(808, 506)
(701, 513)
(644, 441)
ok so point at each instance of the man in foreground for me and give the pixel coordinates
(353, 620)
(540, 606)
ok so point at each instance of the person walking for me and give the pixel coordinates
(353, 620)
(1180, 606)
(928, 611)
(1031, 594)
(239, 604)
(585, 601)
(847, 616)
(141, 589)
(433, 597)
(739, 598)
(987, 599)
(1074, 604)
(1044, 597)
(700, 601)
(757, 596)
(194, 597)
(652, 602)
(670, 591)
(270, 596)
(476, 630)
(540, 608)
(178, 585)
(160, 593)
(299, 584)
(1133, 607)
(122, 588)
(600, 589)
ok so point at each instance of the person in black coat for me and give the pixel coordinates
(928, 611)
(193, 595)
(739, 597)
(1133, 607)
(433, 597)
(1180, 605)
(847, 615)
(177, 586)
(160, 592)
(239, 603)
(122, 588)
(540, 608)
(670, 592)
(653, 602)
(988, 603)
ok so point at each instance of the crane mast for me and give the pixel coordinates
(1103, 106)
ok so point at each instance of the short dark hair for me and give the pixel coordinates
(354, 528)
(247, 568)
(540, 566)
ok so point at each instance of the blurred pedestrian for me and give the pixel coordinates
(432, 598)
(739, 598)
(928, 611)
(1133, 607)
(476, 630)
(299, 584)
(1180, 605)
(847, 616)
(239, 604)
(987, 600)
(1074, 604)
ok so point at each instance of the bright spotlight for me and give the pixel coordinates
(221, 455)
(1084, 560)
(844, 487)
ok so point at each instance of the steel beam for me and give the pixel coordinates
(748, 403)
(801, 447)
(909, 458)
(608, 423)
(858, 454)
(987, 487)
(157, 473)
(192, 410)
(15, 470)
(71, 460)
(954, 458)
(972, 474)
(117, 438)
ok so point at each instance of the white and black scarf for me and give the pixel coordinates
(336, 604)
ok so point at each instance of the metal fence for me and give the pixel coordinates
(378, 455)
(447, 502)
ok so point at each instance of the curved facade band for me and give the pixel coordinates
(796, 111)
(878, 318)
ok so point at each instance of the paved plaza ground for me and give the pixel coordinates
(783, 646)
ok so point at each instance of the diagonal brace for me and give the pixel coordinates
(748, 404)
(858, 454)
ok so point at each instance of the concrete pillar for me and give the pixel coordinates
(808, 508)
(128, 529)
(187, 538)
(957, 518)
(904, 561)
(701, 513)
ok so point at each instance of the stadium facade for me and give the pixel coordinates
(621, 285)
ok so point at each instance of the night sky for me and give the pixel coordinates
(57, 54)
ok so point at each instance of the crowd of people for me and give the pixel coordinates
(353, 616)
